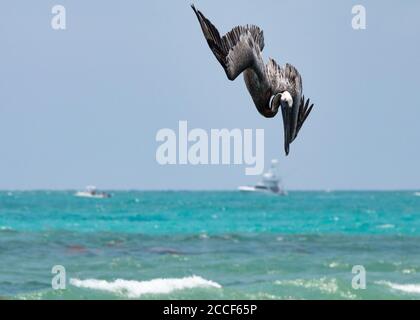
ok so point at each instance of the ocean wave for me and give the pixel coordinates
(337, 264)
(5, 228)
(386, 226)
(408, 271)
(407, 288)
(324, 285)
(135, 289)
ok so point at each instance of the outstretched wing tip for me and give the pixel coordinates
(235, 51)
(193, 7)
(305, 109)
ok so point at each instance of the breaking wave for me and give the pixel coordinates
(135, 289)
(408, 288)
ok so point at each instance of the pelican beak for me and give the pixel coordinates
(286, 147)
(287, 125)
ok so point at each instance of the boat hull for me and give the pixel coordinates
(247, 189)
(93, 196)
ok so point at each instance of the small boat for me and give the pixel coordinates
(270, 183)
(92, 192)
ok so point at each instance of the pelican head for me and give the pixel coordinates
(283, 99)
(286, 98)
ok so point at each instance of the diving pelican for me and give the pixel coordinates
(270, 86)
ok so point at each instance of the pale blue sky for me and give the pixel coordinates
(82, 106)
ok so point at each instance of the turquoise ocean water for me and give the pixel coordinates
(169, 245)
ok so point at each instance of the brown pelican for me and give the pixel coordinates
(271, 85)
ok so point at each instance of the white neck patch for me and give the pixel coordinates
(286, 97)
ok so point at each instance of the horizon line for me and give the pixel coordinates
(210, 190)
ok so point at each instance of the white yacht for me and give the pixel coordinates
(92, 192)
(270, 183)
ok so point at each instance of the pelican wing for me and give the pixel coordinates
(236, 50)
(304, 111)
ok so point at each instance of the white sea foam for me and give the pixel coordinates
(408, 271)
(417, 194)
(135, 289)
(408, 288)
(334, 264)
(386, 226)
(324, 285)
